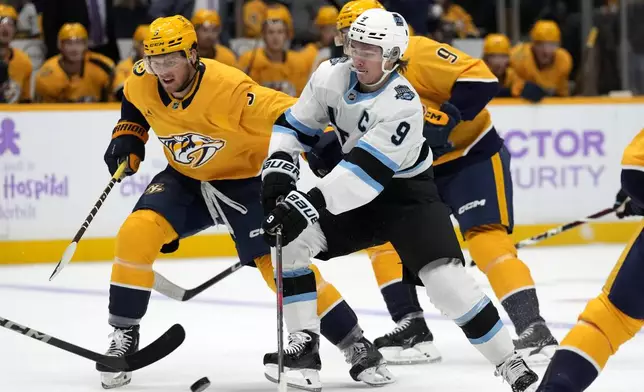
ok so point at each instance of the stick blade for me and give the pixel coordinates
(67, 257)
(155, 351)
(167, 288)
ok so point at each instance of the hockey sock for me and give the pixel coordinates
(401, 299)
(300, 300)
(338, 322)
(495, 255)
(455, 293)
(138, 243)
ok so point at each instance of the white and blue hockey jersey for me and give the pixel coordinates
(381, 133)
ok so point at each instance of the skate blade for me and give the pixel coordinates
(303, 379)
(115, 380)
(421, 353)
(377, 376)
(538, 356)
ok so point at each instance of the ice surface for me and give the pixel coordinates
(232, 325)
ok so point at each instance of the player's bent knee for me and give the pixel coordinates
(141, 237)
(386, 264)
(297, 255)
(489, 245)
(612, 322)
(450, 288)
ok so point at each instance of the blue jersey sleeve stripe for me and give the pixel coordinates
(361, 174)
(301, 127)
(293, 133)
(378, 155)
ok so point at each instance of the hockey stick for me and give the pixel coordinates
(560, 229)
(281, 380)
(174, 291)
(150, 354)
(71, 248)
(585, 60)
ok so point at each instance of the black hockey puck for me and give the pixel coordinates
(200, 385)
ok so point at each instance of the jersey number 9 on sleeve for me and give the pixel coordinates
(447, 55)
(401, 133)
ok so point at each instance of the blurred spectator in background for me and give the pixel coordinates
(160, 8)
(542, 62)
(415, 13)
(128, 15)
(208, 26)
(254, 12)
(455, 15)
(496, 54)
(95, 15)
(275, 66)
(27, 25)
(124, 68)
(316, 52)
(304, 12)
(15, 65)
(76, 74)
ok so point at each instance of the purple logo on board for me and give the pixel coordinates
(8, 137)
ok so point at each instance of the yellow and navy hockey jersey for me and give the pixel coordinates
(553, 78)
(288, 76)
(20, 69)
(220, 130)
(93, 84)
(440, 73)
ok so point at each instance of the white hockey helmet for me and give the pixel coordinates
(387, 30)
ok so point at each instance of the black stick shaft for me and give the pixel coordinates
(280, 305)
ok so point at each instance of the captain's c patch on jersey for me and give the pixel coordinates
(404, 92)
(192, 149)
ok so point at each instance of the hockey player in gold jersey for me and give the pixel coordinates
(274, 66)
(214, 123)
(17, 86)
(208, 26)
(471, 167)
(617, 313)
(496, 54)
(124, 68)
(76, 74)
(542, 63)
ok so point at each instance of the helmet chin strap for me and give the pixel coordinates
(190, 80)
(385, 73)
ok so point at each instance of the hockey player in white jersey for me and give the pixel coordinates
(381, 191)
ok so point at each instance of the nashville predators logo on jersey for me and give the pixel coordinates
(192, 148)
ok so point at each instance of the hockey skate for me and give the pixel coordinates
(520, 377)
(536, 344)
(123, 341)
(367, 364)
(411, 342)
(301, 362)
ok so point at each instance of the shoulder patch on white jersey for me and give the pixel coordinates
(337, 60)
(404, 92)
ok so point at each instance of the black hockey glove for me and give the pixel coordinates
(293, 215)
(128, 144)
(279, 177)
(533, 92)
(325, 155)
(625, 206)
(438, 126)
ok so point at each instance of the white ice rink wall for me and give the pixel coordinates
(566, 163)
